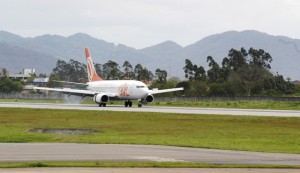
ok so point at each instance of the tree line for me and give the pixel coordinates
(76, 72)
(241, 73)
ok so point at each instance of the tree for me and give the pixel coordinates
(111, 70)
(250, 77)
(78, 71)
(147, 75)
(226, 68)
(200, 73)
(138, 71)
(8, 85)
(214, 74)
(193, 72)
(189, 70)
(73, 71)
(236, 59)
(260, 58)
(161, 75)
(279, 84)
(128, 70)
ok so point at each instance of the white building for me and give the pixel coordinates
(28, 71)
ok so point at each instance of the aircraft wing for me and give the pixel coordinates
(156, 91)
(74, 91)
(67, 82)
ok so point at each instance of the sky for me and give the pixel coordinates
(143, 23)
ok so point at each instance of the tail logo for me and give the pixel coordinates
(92, 74)
(90, 68)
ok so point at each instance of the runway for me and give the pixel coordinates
(179, 110)
(11, 152)
(145, 170)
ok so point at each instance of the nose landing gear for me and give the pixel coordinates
(102, 104)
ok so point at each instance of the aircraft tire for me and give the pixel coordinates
(130, 103)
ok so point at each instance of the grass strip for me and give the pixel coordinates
(248, 133)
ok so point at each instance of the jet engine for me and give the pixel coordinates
(148, 99)
(100, 98)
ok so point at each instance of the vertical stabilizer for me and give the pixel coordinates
(92, 74)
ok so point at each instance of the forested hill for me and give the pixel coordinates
(42, 52)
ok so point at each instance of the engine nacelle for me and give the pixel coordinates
(148, 99)
(100, 98)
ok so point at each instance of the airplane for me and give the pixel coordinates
(104, 90)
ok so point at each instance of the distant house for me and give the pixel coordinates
(24, 75)
(40, 81)
(28, 71)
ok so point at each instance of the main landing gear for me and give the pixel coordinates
(128, 103)
(102, 104)
(139, 105)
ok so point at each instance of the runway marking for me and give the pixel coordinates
(156, 159)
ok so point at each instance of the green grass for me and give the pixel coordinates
(265, 134)
(277, 105)
(110, 164)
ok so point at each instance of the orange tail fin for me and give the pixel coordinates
(92, 74)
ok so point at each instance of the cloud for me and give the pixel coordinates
(141, 23)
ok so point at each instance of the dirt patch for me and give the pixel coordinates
(65, 131)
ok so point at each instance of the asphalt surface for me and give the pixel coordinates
(11, 152)
(145, 170)
(180, 110)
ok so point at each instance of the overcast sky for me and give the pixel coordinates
(143, 23)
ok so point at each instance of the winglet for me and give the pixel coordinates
(92, 74)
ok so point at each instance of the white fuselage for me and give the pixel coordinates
(121, 89)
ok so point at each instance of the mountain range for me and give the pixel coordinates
(42, 52)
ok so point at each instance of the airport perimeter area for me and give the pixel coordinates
(260, 140)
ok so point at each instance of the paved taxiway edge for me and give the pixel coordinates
(13, 152)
